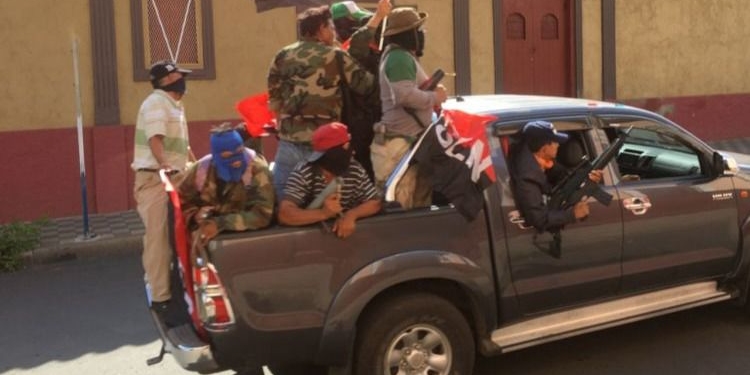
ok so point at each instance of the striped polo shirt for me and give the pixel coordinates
(307, 181)
(160, 114)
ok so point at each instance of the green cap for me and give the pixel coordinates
(348, 9)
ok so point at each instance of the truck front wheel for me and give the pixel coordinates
(414, 334)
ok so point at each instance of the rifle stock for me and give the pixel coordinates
(577, 185)
(431, 83)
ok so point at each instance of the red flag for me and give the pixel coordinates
(455, 152)
(470, 132)
(182, 249)
(254, 110)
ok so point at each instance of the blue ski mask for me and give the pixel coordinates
(228, 155)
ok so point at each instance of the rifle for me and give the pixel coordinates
(333, 187)
(577, 185)
(431, 83)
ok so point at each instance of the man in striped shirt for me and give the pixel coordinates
(330, 164)
(161, 142)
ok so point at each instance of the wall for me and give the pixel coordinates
(687, 60)
(41, 138)
(482, 47)
(36, 37)
(670, 48)
(592, 49)
(683, 58)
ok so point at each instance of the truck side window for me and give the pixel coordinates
(651, 154)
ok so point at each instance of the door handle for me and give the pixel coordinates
(638, 206)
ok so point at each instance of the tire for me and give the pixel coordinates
(421, 333)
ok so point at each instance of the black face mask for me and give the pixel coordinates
(420, 43)
(336, 160)
(177, 86)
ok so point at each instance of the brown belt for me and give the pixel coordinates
(155, 170)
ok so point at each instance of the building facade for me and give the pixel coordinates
(682, 58)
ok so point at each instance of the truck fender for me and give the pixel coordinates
(337, 339)
(742, 271)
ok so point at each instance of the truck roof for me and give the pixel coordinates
(499, 104)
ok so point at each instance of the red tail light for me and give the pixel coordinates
(212, 303)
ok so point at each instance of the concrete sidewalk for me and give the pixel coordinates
(62, 238)
(122, 231)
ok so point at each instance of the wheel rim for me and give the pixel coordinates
(419, 350)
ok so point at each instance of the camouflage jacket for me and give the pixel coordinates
(303, 87)
(363, 48)
(247, 204)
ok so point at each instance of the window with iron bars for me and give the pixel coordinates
(180, 30)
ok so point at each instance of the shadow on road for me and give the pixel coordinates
(63, 311)
(707, 340)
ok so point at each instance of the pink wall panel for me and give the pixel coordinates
(711, 118)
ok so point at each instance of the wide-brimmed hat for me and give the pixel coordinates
(327, 137)
(402, 19)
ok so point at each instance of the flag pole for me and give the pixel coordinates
(382, 31)
(87, 235)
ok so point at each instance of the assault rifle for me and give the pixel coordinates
(577, 185)
(431, 83)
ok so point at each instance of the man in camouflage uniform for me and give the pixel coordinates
(303, 87)
(229, 189)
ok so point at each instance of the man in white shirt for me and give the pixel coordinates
(161, 142)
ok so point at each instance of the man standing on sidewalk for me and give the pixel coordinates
(161, 142)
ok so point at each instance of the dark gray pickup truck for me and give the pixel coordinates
(421, 291)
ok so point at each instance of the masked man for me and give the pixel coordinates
(407, 109)
(230, 189)
(304, 88)
(534, 172)
(161, 142)
(330, 163)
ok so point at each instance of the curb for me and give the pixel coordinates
(74, 249)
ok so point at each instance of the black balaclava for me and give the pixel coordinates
(406, 39)
(177, 86)
(336, 160)
(420, 43)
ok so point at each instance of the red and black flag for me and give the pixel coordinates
(456, 152)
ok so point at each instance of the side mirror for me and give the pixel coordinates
(724, 165)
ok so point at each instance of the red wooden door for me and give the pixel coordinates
(537, 47)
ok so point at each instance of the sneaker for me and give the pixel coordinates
(162, 311)
(160, 307)
(169, 313)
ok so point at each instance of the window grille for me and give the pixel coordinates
(178, 30)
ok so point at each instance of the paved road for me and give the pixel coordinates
(88, 317)
(80, 317)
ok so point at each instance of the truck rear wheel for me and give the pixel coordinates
(414, 334)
